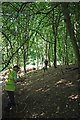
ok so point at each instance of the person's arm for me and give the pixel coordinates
(17, 79)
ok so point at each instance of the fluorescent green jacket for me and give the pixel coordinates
(10, 83)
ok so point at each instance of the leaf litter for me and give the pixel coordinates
(50, 94)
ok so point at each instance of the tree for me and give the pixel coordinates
(71, 32)
(32, 30)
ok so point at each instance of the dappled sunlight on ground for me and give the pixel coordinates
(47, 95)
(60, 82)
(70, 84)
(74, 97)
(65, 83)
(43, 90)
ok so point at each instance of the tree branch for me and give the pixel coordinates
(48, 11)
(7, 38)
(15, 53)
(42, 36)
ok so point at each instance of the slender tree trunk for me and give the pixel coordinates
(18, 38)
(54, 33)
(49, 55)
(55, 52)
(46, 50)
(36, 53)
(24, 58)
(66, 51)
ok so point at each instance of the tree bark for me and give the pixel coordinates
(70, 29)
(49, 55)
(55, 35)
(24, 57)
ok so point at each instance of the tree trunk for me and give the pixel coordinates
(49, 55)
(54, 33)
(70, 29)
(24, 58)
(46, 50)
(36, 53)
(55, 52)
(66, 50)
(55, 24)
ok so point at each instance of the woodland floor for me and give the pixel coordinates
(53, 94)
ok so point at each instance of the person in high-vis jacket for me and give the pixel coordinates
(10, 87)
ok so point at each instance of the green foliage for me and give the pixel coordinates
(30, 24)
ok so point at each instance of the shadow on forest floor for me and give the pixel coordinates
(53, 94)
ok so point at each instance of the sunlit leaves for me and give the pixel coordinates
(20, 20)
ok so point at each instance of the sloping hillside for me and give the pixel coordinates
(50, 94)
